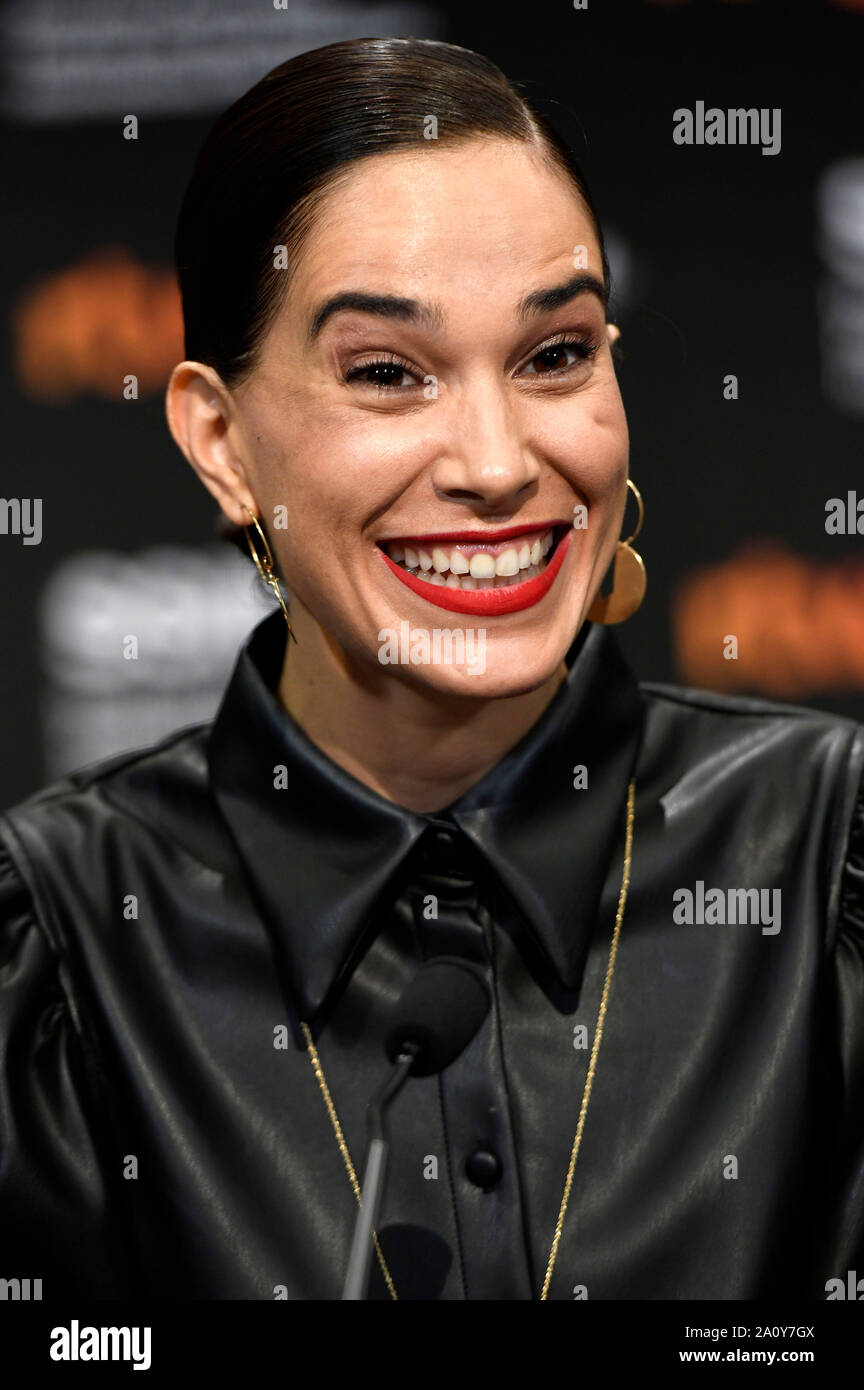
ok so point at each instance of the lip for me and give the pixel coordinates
(487, 603)
(490, 537)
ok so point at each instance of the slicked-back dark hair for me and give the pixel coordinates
(271, 158)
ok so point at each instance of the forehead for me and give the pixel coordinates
(441, 219)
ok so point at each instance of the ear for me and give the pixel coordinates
(613, 333)
(199, 411)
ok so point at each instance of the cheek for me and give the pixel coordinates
(334, 475)
(320, 469)
(362, 463)
(588, 442)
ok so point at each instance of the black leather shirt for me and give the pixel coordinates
(168, 918)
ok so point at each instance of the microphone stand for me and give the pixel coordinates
(374, 1173)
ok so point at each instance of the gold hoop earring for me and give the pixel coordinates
(629, 580)
(266, 567)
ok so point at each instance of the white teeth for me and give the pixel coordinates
(466, 582)
(482, 566)
(452, 568)
(508, 562)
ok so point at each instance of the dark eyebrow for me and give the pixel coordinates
(390, 306)
(394, 306)
(541, 301)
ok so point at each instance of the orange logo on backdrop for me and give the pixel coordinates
(799, 624)
(86, 328)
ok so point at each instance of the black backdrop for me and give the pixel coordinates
(724, 275)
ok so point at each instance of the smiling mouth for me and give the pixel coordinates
(468, 565)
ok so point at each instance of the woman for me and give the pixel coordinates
(399, 382)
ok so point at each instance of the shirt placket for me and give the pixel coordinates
(451, 918)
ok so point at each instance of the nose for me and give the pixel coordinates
(487, 461)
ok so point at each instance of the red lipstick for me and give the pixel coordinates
(490, 537)
(510, 598)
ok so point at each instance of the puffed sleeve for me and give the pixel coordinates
(54, 1205)
(848, 1245)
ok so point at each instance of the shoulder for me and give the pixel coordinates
(177, 762)
(155, 800)
(763, 769)
(713, 704)
(762, 729)
(179, 756)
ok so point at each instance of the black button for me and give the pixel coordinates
(484, 1169)
(442, 849)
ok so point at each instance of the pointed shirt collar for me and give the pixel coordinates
(321, 849)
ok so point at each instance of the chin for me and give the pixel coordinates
(480, 664)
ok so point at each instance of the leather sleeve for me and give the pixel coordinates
(54, 1203)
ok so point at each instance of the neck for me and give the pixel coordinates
(417, 747)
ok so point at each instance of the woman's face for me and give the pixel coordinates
(457, 420)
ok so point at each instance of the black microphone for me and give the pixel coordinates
(434, 1020)
(439, 1012)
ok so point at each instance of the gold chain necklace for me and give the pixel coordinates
(586, 1093)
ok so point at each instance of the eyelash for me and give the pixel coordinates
(586, 347)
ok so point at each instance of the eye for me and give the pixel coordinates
(388, 374)
(551, 358)
(385, 373)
